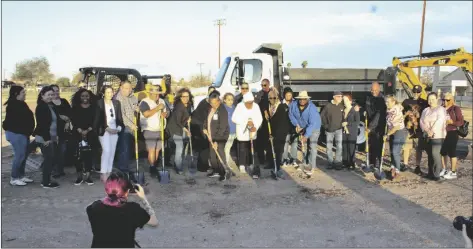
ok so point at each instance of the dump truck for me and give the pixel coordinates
(267, 62)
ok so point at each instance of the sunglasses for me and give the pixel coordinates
(264, 85)
(273, 98)
(244, 88)
(448, 100)
(111, 113)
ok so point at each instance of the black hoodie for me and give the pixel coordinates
(19, 118)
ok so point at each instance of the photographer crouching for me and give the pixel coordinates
(114, 220)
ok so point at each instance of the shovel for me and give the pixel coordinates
(366, 167)
(140, 176)
(274, 172)
(254, 171)
(163, 175)
(378, 172)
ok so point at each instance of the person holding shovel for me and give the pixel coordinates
(248, 119)
(396, 133)
(306, 118)
(152, 111)
(217, 130)
(278, 117)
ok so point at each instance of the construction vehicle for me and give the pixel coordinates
(96, 77)
(266, 62)
(408, 79)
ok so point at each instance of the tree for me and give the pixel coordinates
(63, 82)
(304, 64)
(427, 76)
(76, 78)
(33, 71)
(289, 65)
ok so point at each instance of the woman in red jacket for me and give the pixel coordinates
(449, 146)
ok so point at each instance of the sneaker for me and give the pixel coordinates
(403, 167)
(309, 172)
(242, 169)
(89, 181)
(50, 185)
(17, 182)
(26, 179)
(255, 176)
(394, 172)
(442, 173)
(213, 175)
(79, 180)
(450, 175)
(294, 164)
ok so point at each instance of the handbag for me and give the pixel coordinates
(462, 130)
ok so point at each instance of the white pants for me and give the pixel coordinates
(109, 144)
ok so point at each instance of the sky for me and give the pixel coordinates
(172, 37)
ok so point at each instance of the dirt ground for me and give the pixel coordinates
(330, 209)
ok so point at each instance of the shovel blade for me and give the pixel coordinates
(274, 175)
(164, 177)
(379, 174)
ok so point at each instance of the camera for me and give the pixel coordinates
(458, 224)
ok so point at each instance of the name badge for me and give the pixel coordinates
(215, 117)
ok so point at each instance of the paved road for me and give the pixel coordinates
(332, 209)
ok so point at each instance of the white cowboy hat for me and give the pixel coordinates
(303, 95)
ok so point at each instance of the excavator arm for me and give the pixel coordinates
(455, 57)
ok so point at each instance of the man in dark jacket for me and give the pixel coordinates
(332, 118)
(262, 138)
(376, 113)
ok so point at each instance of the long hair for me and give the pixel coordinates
(102, 91)
(42, 92)
(76, 101)
(14, 92)
(179, 93)
(116, 188)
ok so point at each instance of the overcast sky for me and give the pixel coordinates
(172, 37)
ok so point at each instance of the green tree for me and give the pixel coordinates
(63, 82)
(76, 78)
(304, 64)
(33, 71)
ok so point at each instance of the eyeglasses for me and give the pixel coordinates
(273, 98)
(244, 88)
(264, 85)
(111, 112)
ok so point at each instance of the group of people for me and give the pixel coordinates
(251, 121)
(430, 126)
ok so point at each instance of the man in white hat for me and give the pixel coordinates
(306, 118)
(248, 119)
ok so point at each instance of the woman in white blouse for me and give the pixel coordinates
(108, 124)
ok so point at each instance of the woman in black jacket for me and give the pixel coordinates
(47, 133)
(84, 136)
(108, 123)
(351, 121)
(217, 130)
(18, 125)
(178, 125)
(278, 116)
(64, 110)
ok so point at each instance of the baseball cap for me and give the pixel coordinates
(337, 93)
(417, 89)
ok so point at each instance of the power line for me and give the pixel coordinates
(219, 23)
(421, 37)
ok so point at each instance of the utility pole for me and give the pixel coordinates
(201, 76)
(421, 37)
(219, 23)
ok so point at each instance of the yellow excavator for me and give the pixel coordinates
(408, 79)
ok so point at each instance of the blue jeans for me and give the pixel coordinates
(125, 148)
(288, 146)
(180, 142)
(50, 158)
(20, 144)
(311, 149)
(228, 147)
(338, 135)
(396, 141)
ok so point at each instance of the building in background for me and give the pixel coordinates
(456, 83)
